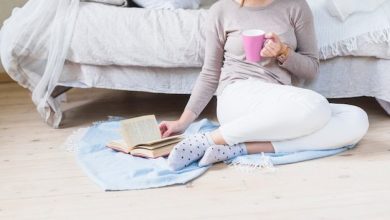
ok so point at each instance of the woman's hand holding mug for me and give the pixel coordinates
(258, 44)
(273, 46)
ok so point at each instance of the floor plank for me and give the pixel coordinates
(39, 179)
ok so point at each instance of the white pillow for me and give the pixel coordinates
(344, 8)
(169, 4)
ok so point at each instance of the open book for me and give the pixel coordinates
(141, 137)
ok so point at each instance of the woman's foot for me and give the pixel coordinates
(189, 150)
(217, 153)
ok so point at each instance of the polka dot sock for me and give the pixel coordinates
(189, 150)
(217, 153)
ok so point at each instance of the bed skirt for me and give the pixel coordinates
(338, 78)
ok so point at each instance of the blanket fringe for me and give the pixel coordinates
(264, 164)
(352, 44)
(71, 144)
(109, 119)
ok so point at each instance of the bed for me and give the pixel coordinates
(88, 45)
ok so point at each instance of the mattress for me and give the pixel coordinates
(339, 78)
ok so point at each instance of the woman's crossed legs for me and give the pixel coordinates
(256, 117)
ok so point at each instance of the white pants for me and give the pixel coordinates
(292, 118)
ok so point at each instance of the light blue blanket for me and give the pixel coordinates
(118, 171)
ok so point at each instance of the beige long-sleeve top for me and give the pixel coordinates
(225, 60)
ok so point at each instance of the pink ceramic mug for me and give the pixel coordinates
(254, 40)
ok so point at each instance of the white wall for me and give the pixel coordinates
(6, 7)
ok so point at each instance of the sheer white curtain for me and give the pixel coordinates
(35, 41)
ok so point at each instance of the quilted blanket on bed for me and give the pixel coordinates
(362, 34)
(176, 38)
(140, 37)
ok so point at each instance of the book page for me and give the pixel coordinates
(158, 145)
(179, 136)
(140, 130)
(118, 145)
(162, 151)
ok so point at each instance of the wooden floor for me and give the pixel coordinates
(41, 180)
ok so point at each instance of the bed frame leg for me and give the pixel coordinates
(384, 104)
(59, 90)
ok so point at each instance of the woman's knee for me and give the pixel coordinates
(357, 121)
(314, 111)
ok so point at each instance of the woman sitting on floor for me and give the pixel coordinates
(257, 107)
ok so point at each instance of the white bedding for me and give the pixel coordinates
(342, 9)
(362, 34)
(176, 39)
(106, 35)
(147, 79)
(140, 37)
(339, 78)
